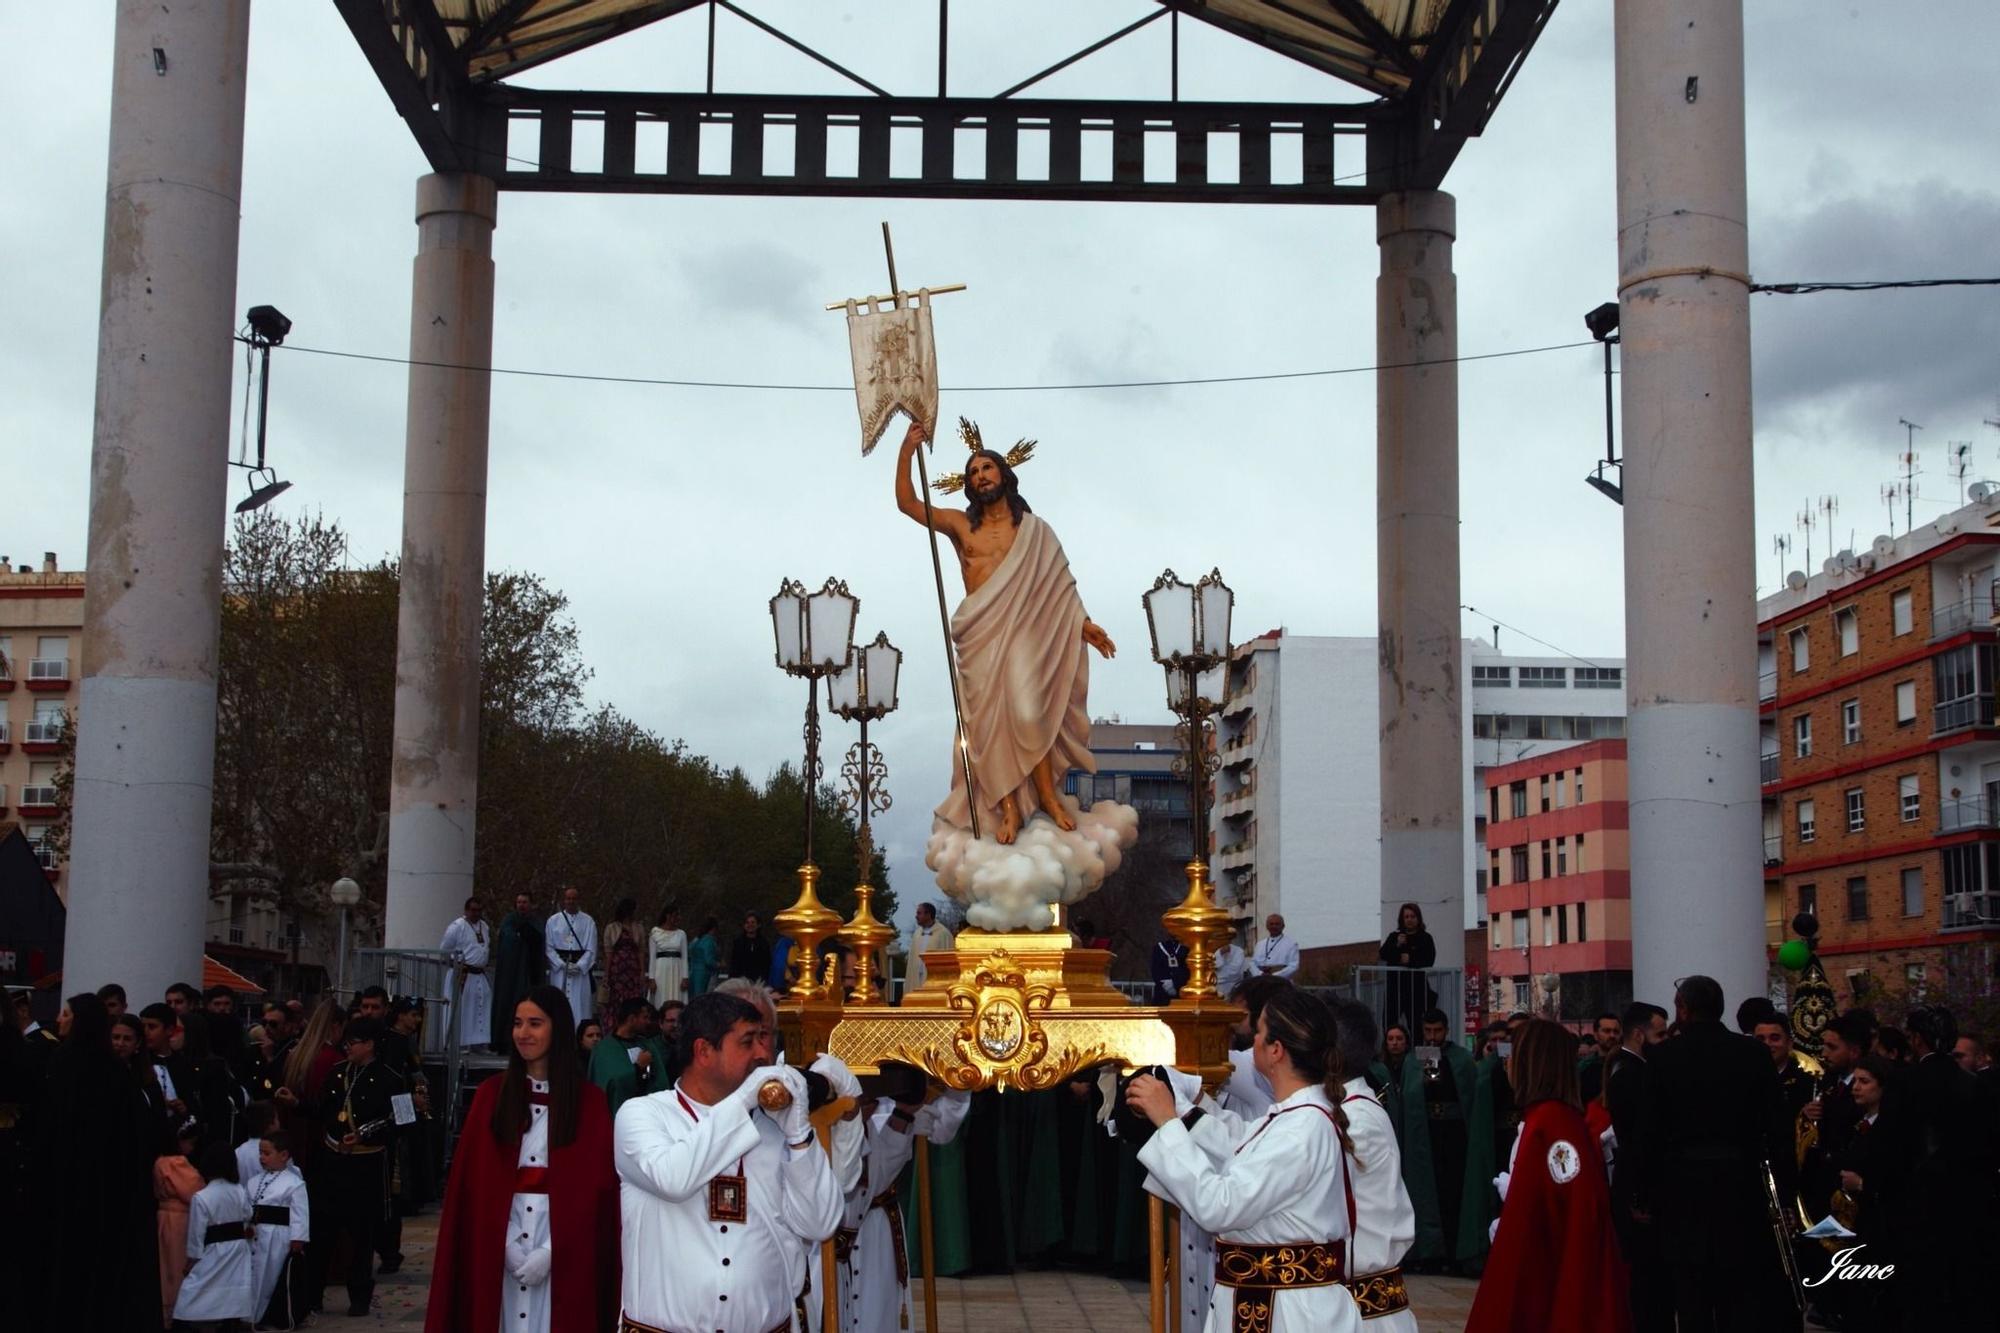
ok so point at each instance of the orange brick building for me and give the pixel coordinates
(1559, 882)
(1881, 761)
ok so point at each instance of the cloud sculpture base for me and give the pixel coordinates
(1015, 886)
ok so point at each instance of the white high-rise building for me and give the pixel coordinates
(1297, 816)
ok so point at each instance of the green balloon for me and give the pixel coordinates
(1793, 954)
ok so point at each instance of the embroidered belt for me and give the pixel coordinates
(531, 1180)
(892, 1209)
(1256, 1271)
(218, 1232)
(627, 1324)
(272, 1214)
(1380, 1293)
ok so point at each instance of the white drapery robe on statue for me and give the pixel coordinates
(1024, 674)
(872, 1299)
(1385, 1221)
(1277, 1180)
(272, 1245)
(575, 933)
(685, 1271)
(218, 1287)
(667, 965)
(469, 944)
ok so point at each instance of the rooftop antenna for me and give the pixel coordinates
(1829, 505)
(1909, 463)
(1960, 453)
(1805, 522)
(1781, 546)
(1892, 492)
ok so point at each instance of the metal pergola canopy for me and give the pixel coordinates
(1436, 70)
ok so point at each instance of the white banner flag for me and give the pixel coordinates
(895, 365)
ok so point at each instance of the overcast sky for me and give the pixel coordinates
(670, 515)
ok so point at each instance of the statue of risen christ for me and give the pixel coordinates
(1020, 637)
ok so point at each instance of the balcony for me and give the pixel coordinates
(1974, 710)
(1957, 816)
(1774, 849)
(48, 673)
(1958, 617)
(1767, 686)
(43, 736)
(1970, 911)
(1767, 768)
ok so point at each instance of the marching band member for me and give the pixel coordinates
(720, 1195)
(1275, 1184)
(529, 1236)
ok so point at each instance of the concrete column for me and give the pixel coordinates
(145, 758)
(434, 784)
(1690, 599)
(1416, 545)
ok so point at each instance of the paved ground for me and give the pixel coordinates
(1044, 1302)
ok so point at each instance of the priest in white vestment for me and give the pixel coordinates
(721, 1199)
(570, 939)
(468, 941)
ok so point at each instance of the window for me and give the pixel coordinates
(1857, 818)
(1548, 927)
(1857, 899)
(1962, 694)
(1497, 676)
(1562, 924)
(1562, 790)
(1493, 868)
(1909, 800)
(1809, 899)
(1913, 979)
(1562, 856)
(1544, 678)
(1848, 630)
(1913, 891)
(1492, 805)
(1520, 866)
(1802, 736)
(1581, 937)
(1495, 938)
(1899, 611)
(1547, 863)
(1579, 854)
(1517, 793)
(1599, 678)
(1906, 702)
(1801, 651)
(1850, 721)
(1520, 995)
(1805, 821)
(1520, 928)
(1545, 793)
(1579, 783)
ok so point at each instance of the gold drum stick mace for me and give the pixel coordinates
(774, 1096)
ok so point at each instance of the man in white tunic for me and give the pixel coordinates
(928, 936)
(875, 1278)
(1277, 953)
(281, 1226)
(571, 940)
(1385, 1221)
(468, 941)
(217, 1286)
(721, 1199)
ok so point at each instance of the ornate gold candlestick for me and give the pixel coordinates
(865, 936)
(807, 922)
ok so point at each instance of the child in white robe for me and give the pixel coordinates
(217, 1286)
(280, 1217)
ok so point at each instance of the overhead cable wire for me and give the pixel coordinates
(951, 388)
(1808, 288)
(1529, 637)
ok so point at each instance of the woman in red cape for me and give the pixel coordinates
(1555, 1265)
(537, 1140)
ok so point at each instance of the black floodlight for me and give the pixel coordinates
(1602, 322)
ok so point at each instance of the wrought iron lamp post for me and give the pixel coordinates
(1190, 632)
(865, 691)
(815, 638)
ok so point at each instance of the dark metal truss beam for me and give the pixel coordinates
(952, 148)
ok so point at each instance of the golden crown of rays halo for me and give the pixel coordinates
(951, 483)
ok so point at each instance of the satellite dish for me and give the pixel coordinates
(1979, 490)
(1884, 547)
(1865, 561)
(1830, 566)
(1947, 525)
(1846, 558)
(1796, 580)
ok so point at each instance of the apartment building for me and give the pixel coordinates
(1880, 753)
(41, 639)
(1135, 767)
(1297, 818)
(1559, 881)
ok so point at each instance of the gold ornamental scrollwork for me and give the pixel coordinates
(1000, 1040)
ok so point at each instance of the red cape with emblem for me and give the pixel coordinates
(1555, 1265)
(469, 1268)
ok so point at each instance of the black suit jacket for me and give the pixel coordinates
(1712, 1112)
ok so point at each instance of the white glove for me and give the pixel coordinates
(1186, 1088)
(534, 1269)
(752, 1086)
(516, 1256)
(795, 1120)
(1500, 1183)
